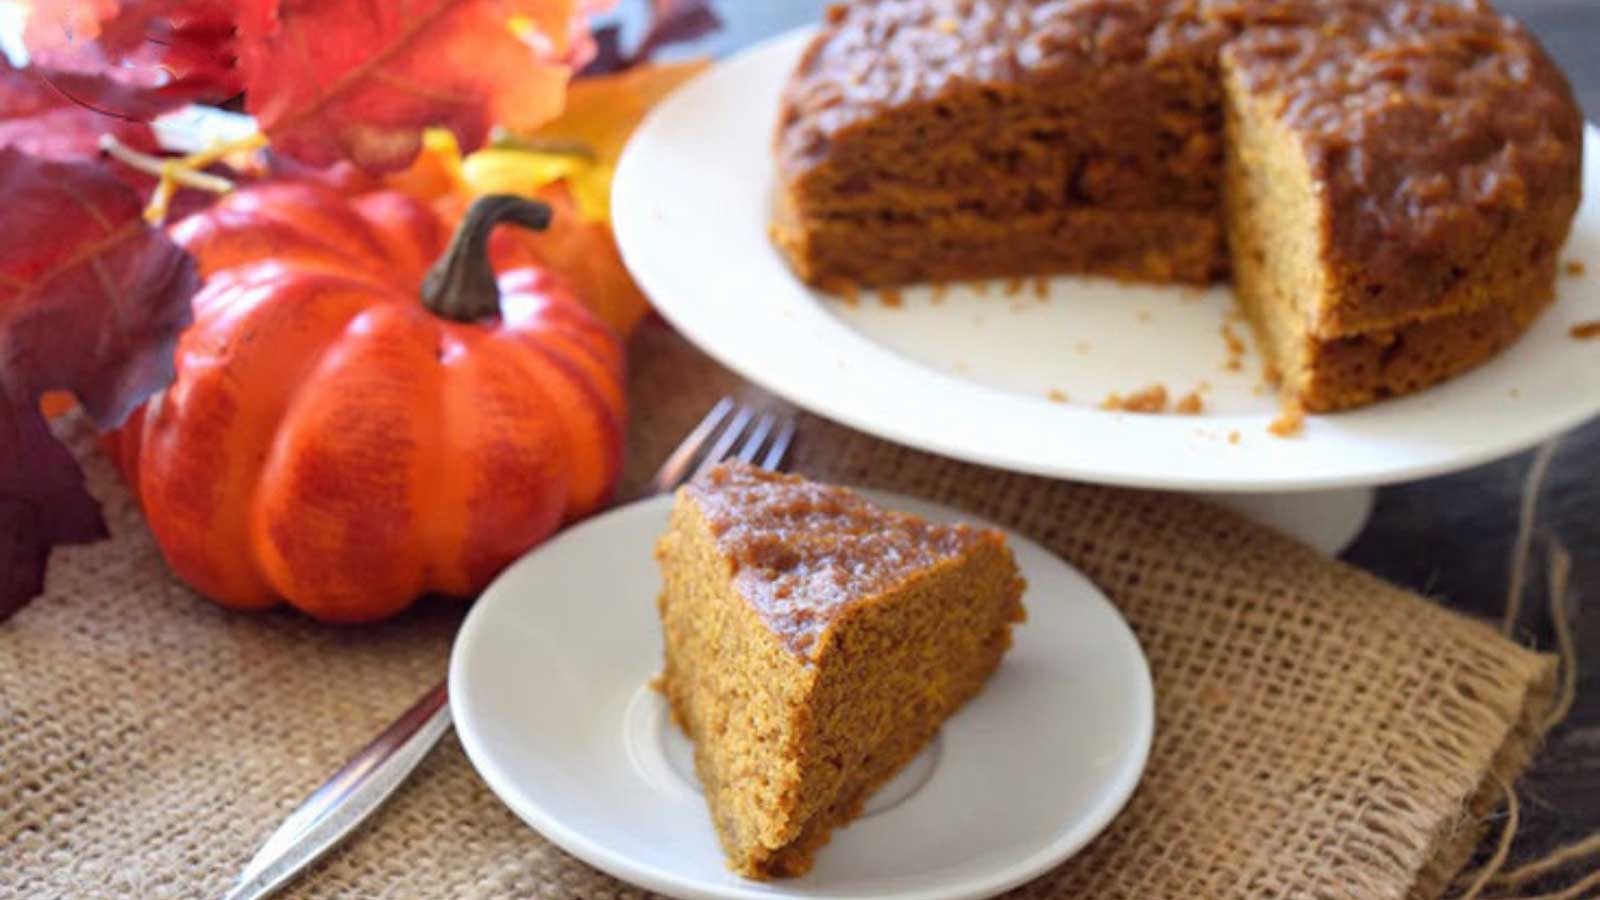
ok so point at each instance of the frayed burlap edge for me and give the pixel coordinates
(1461, 836)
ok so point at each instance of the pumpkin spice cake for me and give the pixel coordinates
(1388, 182)
(814, 643)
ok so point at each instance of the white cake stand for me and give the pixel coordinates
(1012, 374)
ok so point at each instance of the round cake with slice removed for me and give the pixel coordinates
(1387, 182)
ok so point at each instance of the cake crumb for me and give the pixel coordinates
(1041, 287)
(1514, 393)
(1584, 331)
(960, 365)
(892, 297)
(1575, 268)
(1152, 399)
(1013, 287)
(1233, 436)
(1231, 341)
(1235, 349)
(947, 25)
(1144, 316)
(1190, 404)
(1057, 395)
(1291, 419)
(844, 289)
(1083, 347)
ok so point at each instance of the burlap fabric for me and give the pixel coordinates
(1320, 734)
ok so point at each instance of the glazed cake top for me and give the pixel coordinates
(1425, 122)
(880, 54)
(802, 553)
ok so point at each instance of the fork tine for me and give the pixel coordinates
(675, 470)
(780, 445)
(719, 451)
(752, 444)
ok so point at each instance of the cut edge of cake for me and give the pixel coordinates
(1286, 276)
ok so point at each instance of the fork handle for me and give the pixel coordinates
(347, 798)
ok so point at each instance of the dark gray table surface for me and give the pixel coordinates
(1451, 537)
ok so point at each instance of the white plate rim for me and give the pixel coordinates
(871, 410)
(1071, 841)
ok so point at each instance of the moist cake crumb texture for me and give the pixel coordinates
(813, 644)
(802, 551)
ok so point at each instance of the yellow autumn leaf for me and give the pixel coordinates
(510, 170)
(603, 110)
(569, 164)
(579, 149)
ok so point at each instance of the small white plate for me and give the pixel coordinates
(970, 374)
(549, 690)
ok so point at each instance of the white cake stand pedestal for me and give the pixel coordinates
(1327, 520)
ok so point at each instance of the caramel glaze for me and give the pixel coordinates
(803, 553)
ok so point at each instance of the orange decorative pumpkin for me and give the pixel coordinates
(349, 429)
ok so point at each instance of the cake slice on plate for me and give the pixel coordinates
(814, 644)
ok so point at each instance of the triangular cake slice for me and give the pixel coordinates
(814, 644)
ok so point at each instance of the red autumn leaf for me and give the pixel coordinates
(341, 176)
(183, 49)
(61, 115)
(91, 301)
(358, 80)
(194, 44)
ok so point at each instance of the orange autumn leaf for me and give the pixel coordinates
(384, 72)
(435, 173)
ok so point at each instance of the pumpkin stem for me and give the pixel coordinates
(461, 285)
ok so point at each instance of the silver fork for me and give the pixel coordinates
(370, 777)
